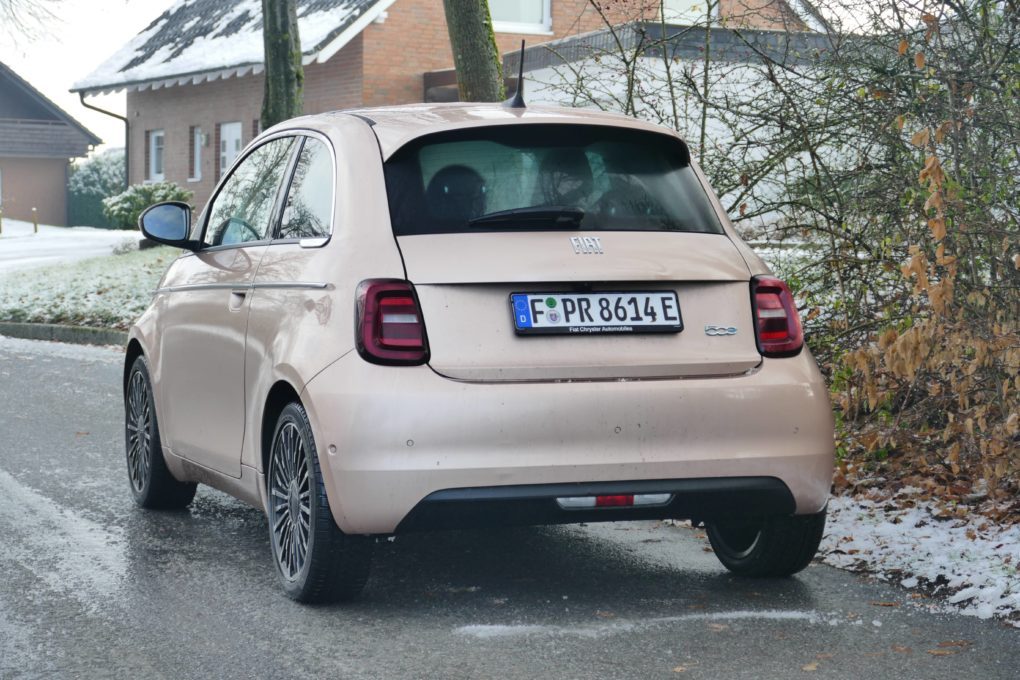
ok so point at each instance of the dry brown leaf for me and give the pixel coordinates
(904, 46)
(942, 652)
(884, 604)
(919, 60)
(920, 138)
(813, 666)
(718, 627)
(901, 649)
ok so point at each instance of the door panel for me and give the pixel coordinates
(204, 326)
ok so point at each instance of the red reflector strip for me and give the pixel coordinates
(613, 501)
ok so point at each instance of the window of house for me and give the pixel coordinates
(521, 16)
(685, 11)
(309, 208)
(243, 209)
(195, 154)
(230, 144)
(156, 156)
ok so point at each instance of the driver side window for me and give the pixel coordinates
(243, 209)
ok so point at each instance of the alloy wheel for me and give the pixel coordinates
(139, 432)
(290, 505)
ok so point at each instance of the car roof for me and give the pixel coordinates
(395, 126)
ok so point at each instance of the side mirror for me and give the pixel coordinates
(168, 223)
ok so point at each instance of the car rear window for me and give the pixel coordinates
(546, 178)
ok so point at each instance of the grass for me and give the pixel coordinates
(103, 292)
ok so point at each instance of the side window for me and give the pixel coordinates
(243, 209)
(309, 206)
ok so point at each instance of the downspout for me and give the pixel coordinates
(127, 136)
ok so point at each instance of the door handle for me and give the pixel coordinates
(237, 298)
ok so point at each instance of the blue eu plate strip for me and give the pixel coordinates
(522, 312)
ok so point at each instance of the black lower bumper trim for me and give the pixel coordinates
(704, 498)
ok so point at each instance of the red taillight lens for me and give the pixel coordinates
(777, 324)
(389, 324)
(618, 501)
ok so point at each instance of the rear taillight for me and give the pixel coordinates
(390, 329)
(777, 325)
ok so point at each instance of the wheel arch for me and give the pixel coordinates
(280, 394)
(133, 351)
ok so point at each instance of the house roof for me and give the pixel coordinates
(199, 40)
(47, 132)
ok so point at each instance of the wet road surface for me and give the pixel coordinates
(93, 587)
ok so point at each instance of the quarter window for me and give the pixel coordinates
(521, 16)
(242, 211)
(309, 207)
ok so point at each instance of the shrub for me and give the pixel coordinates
(99, 177)
(124, 208)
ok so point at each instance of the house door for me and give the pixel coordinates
(230, 144)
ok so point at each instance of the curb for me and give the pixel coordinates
(78, 335)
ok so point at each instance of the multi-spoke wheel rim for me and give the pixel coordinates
(139, 432)
(290, 506)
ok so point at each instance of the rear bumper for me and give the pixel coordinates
(399, 435)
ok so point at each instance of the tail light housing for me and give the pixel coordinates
(776, 322)
(389, 325)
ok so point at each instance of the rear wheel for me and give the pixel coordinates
(316, 562)
(152, 485)
(772, 546)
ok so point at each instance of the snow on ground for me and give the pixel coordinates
(108, 292)
(20, 248)
(971, 561)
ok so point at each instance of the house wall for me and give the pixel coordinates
(28, 183)
(413, 39)
(175, 110)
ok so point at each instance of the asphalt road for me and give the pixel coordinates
(93, 587)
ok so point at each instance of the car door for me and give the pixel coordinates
(204, 325)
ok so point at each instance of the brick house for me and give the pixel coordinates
(37, 141)
(194, 77)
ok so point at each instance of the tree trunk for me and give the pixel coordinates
(285, 77)
(475, 55)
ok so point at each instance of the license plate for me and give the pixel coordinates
(596, 313)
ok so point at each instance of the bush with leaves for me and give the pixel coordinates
(92, 181)
(124, 208)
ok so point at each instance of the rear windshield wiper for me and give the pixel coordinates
(535, 217)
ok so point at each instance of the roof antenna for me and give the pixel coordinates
(517, 101)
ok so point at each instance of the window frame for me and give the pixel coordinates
(544, 28)
(303, 136)
(160, 134)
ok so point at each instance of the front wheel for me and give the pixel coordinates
(772, 546)
(316, 562)
(152, 485)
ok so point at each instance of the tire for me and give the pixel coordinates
(151, 483)
(769, 547)
(315, 561)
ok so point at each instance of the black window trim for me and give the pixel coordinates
(289, 182)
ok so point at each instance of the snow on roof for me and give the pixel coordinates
(197, 40)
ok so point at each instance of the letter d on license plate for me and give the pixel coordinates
(596, 313)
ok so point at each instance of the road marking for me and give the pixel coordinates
(68, 552)
(625, 626)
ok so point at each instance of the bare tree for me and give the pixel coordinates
(285, 76)
(24, 17)
(475, 55)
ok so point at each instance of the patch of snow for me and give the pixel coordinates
(110, 291)
(618, 626)
(973, 560)
(106, 354)
(22, 248)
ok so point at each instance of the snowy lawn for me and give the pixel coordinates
(21, 248)
(970, 561)
(108, 292)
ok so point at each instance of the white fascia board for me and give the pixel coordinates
(338, 43)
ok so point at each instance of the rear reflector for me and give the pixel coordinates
(777, 324)
(390, 329)
(613, 501)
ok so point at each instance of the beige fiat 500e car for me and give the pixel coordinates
(449, 316)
